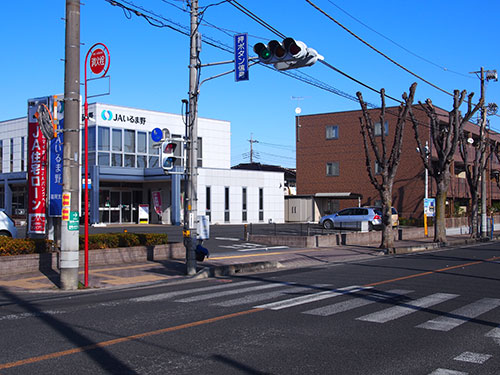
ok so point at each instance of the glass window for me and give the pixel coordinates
(332, 132)
(103, 158)
(208, 203)
(1, 156)
(91, 142)
(152, 150)
(154, 162)
(261, 204)
(142, 142)
(117, 140)
(129, 161)
(378, 130)
(103, 138)
(23, 156)
(244, 204)
(12, 154)
(378, 170)
(91, 159)
(141, 161)
(332, 168)
(129, 141)
(116, 160)
(226, 204)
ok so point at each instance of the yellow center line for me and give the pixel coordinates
(265, 254)
(104, 344)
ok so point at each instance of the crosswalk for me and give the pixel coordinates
(392, 304)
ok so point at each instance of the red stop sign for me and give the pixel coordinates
(97, 61)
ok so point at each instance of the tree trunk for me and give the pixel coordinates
(439, 219)
(473, 214)
(387, 234)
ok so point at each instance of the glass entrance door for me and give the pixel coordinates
(114, 208)
(126, 206)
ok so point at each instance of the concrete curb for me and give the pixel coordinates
(233, 269)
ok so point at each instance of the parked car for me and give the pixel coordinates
(352, 217)
(7, 225)
(395, 216)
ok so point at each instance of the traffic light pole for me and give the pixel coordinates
(191, 201)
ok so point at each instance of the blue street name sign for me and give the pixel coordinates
(241, 57)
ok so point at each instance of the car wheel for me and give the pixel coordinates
(5, 233)
(327, 224)
(370, 227)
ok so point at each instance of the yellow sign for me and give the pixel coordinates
(65, 213)
(186, 233)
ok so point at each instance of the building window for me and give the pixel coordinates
(208, 203)
(377, 168)
(103, 139)
(378, 130)
(154, 162)
(23, 156)
(129, 141)
(261, 204)
(129, 161)
(117, 140)
(200, 152)
(1, 157)
(103, 159)
(226, 204)
(116, 160)
(141, 161)
(142, 142)
(244, 204)
(91, 140)
(11, 155)
(332, 132)
(332, 168)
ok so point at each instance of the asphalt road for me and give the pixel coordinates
(429, 313)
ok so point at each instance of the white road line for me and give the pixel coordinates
(461, 315)
(226, 239)
(204, 297)
(495, 333)
(443, 371)
(407, 308)
(163, 296)
(471, 357)
(359, 301)
(270, 295)
(310, 298)
(265, 248)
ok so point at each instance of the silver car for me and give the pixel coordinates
(351, 218)
(7, 225)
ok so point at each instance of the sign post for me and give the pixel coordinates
(241, 57)
(99, 65)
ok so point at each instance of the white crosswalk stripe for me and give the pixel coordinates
(495, 333)
(443, 371)
(310, 298)
(204, 297)
(407, 308)
(358, 302)
(270, 295)
(460, 316)
(164, 296)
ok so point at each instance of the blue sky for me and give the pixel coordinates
(149, 65)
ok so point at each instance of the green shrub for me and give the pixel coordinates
(151, 239)
(18, 246)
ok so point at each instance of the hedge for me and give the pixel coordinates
(16, 246)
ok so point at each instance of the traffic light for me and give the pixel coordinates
(289, 54)
(168, 158)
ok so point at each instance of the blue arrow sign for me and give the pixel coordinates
(157, 135)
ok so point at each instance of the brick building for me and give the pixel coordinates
(331, 164)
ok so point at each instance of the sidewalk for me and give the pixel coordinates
(168, 271)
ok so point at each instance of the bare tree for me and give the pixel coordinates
(445, 136)
(473, 172)
(387, 164)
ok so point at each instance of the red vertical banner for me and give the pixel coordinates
(37, 176)
(157, 201)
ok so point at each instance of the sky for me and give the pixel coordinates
(440, 41)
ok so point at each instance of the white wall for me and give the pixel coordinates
(236, 179)
(13, 129)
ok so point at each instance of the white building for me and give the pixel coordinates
(124, 171)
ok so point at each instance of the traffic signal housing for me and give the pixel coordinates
(168, 158)
(289, 54)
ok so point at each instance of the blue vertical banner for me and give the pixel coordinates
(56, 168)
(241, 57)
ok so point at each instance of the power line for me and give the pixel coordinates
(397, 44)
(376, 50)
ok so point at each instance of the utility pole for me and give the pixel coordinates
(191, 219)
(484, 217)
(252, 141)
(71, 168)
